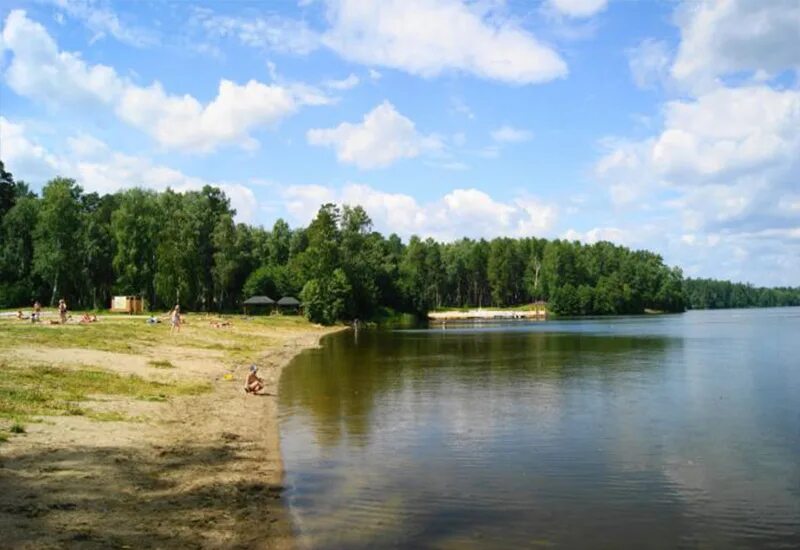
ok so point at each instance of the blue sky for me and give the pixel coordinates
(672, 126)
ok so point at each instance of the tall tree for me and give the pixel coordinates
(57, 236)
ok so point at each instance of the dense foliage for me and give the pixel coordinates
(185, 247)
(711, 294)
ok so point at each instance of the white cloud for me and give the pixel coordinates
(578, 8)
(185, 123)
(272, 32)
(375, 75)
(98, 168)
(727, 132)
(719, 177)
(40, 71)
(383, 137)
(727, 36)
(102, 21)
(597, 234)
(23, 157)
(649, 63)
(429, 37)
(747, 137)
(509, 134)
(723, 174)
(344, 84)
(460, 212)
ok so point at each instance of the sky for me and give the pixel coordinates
(667, 125)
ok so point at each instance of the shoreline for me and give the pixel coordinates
(197, 471)
(491, 313)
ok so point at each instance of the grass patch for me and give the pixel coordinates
(49, 391)
(17, 428)
(3, 437)
(161, 364)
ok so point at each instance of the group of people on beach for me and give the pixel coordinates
(254, 384)
(63, 314)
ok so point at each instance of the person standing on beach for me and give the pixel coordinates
(37, 311)
(175, 319)
(62, 310)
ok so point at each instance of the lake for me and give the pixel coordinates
(652, 431)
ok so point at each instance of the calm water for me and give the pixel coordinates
(660, 431)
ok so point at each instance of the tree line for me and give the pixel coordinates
(186, 248)
(713, 294)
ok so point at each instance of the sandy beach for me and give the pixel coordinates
(197, 471)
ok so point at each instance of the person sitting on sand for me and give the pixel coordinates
(254, 384)
(20, 316)
(86, 318)
(175, 319)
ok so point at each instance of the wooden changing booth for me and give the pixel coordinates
(127, 304)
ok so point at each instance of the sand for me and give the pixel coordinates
(193, 472)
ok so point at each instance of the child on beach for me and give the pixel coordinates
(175, 319)
(253, 384)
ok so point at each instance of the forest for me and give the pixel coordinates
(712, 294)
(186, 248)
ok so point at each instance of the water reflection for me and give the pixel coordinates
(662, 432)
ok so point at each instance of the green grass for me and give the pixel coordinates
(27, 392)
(17, 428)
(133, 336)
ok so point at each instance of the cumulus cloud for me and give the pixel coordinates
(459, 213)
(98, 168)
(39, 70)
(730, 36)
(578, 8)
(721, 173)
(430, 37)
(509, 134)
(381, 138)
(183, 122)
(740, 144)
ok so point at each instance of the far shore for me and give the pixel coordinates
(491, 313)
(166, 451)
